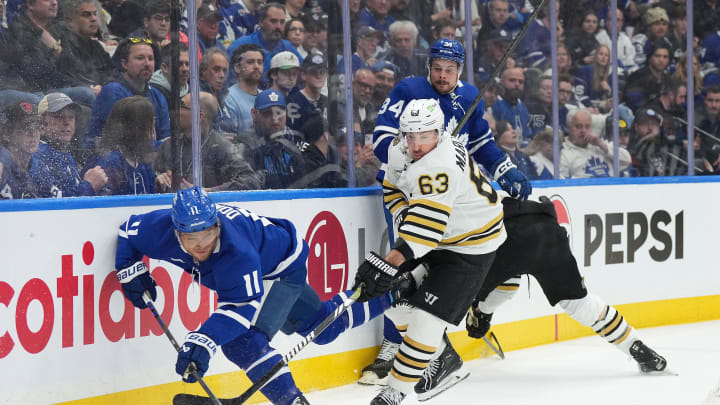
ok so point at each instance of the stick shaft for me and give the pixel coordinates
(175, 344)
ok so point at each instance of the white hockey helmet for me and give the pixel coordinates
(422, 115)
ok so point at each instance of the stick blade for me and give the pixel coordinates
(189, 399)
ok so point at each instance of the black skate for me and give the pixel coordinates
(647, 359)
(441, 373)
(377, 372)
(301, 400)
(388, 396)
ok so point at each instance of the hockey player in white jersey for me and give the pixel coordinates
(450, 218)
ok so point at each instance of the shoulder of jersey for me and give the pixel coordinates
(443, 159)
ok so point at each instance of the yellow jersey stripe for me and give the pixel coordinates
(433, 205)
(425, 242)
(487, 226)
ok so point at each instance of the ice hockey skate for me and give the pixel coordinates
(647, 359)
(377, 372)
(441, 373)
(301, 400)
(388, 396)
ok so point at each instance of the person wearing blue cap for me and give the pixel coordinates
(386, 77)
(269, 146)
(303, 102)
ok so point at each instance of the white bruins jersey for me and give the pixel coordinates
(450, 205)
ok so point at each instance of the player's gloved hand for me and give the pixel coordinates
(477, 323)
(198, 349)
(376, 275)
(135, 280)
(512, 180)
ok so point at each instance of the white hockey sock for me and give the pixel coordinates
(500, 295)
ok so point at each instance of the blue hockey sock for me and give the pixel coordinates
(390, 332)
(252, 353)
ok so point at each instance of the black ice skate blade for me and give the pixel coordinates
(449, 383)
(189, 399)
(666, 371)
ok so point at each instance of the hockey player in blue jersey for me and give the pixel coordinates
(257, 267)
(455, 96)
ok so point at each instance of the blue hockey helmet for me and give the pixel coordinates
(449, 49)
(193, 210)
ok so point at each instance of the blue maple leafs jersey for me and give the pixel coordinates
(475, 135)
(250, 249)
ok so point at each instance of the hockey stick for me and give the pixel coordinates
(146, 297)
(188, 399)
(498, 68)
(494, 346)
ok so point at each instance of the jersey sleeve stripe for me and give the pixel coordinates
(290, 259)
(417, 213)
(477, 147)
(388, 130)
(494, 223)
(394, 206)
(252, 303)
(383, 138)
(409, 237)
(429, 224)
(478, 239)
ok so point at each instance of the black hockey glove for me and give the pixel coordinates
(477, 323)
(135, 280)
(376, 275)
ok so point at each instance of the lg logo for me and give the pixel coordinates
(328, 257)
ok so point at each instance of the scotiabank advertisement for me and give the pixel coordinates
(65, 326)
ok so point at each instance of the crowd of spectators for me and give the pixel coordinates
(86, 85)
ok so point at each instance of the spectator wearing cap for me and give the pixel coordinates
(386, 77)
(321, 168)
(25, 175)
(366, 50)
(83, 58)
(269, 146)
(403, 52)
(125, 149)
(364, 111)
(208, 25)
(496, 45)
(626, 49)
(247, 63)
(507, 140)
(223, 167)
(645, 83)
(295, 33)
(652, 152)
(510, 107)
(58, 113)
(283, 74)
(136, 61)
(302, 102)
(376, 15)
(34, 49)
(656, 23)
(270, 36)
(496, 16)
(160, 80)
(213, 70)
(585, 154)
(581, 41)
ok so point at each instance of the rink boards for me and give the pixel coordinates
(67, 335)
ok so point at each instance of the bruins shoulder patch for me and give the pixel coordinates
(396, 140)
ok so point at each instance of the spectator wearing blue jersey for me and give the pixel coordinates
(534, 47)
(136, 61)
(58, 114)
(208, 26)
(257, 267)
(540, 106)
(366, 50)
(269, 37)
(507, 140)
(496, 15)
(126, 147)
(247, 62)
(710, 50)
(593, 82)
(404, 53)
(510, 107)
(303, 102)
(376, 15)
